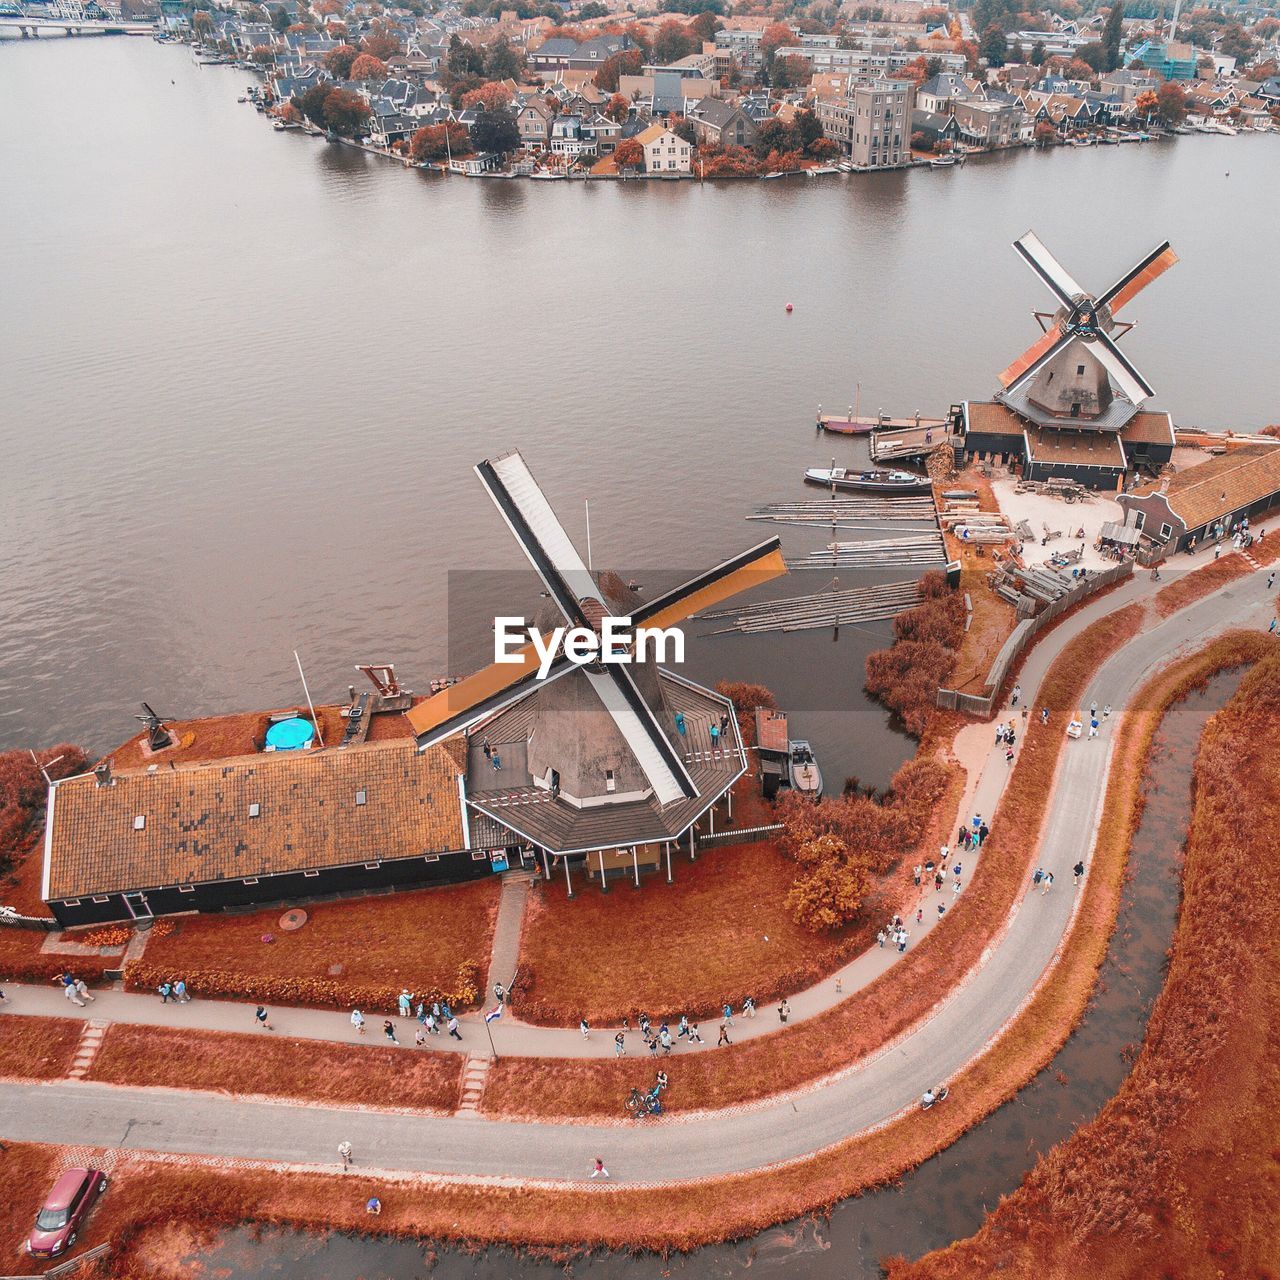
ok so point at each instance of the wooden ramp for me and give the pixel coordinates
(829, 608)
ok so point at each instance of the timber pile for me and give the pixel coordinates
(916, 549)
(1041, 585)
(839, 512)
(829, 608)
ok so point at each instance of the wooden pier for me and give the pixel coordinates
(920, 549)
(868, 511)
(829, 608)
(852, 424)
(914, 440)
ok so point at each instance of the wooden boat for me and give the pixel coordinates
(848, 426)
(869, 481)
(943, 162)
(806, 777)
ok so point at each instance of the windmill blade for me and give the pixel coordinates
(1132, 283)
(643, 734)
(1042, 349)
(761, 563)
(1123, 374)
(541, 536)
(1048, 268)
(478, 696)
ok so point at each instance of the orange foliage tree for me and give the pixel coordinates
(746, 698)
(629, 154)
(436, 141)
(832, 884)
(337, 62)
(367, 67)
(490, 97)
(627, 63)
(23, 793)
(617, 108)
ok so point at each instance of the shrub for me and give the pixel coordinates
(831, 887)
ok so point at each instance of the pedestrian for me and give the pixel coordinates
(945, 853)
(999, 734)
(1017, 693)
(1076, 872)
(181, 994)
(902, 941)
(584, 1027)
(82, 991)
(929, 865)
(784, 1011)
(694, 1037)
(839, 986)
(724, 1036)
(1039, 875)
(1093, 709)
(406, 1003)
(433, 1027)
(1044, 715)
(956, 870)
(344, 1150)
(453, 1029)
(880, 939)
(599, 1171)
(421, 1013)
(389, 1030)
(937, 881)
(499, 993)
(435, 1009)
(1047, 883)
(1106, 711)
(680, 728)
(4, 999)
(1272, 627)
(1271, 577)
(644, 1025)
(486, 748)
(444, 1009)
(749, 1007)
(919, 915)
(497, 763)
(357, 1021)
(1008, 755)
(373, 1205)
(69, 990)
(626, 1024)
(651, 1043)
(955, 888)
(165, 989)
(619, 1045)
(260, 1014)
(977, 821)
(1093, 727)
(683, 1029)
(419, 1037)
(942, 910)
(664, 1038)
(660, 1081)
(1217, 551)
(916, 872)
(983, 832)
(727, 1011)
(715, 734)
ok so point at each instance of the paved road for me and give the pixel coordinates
(719, 1143)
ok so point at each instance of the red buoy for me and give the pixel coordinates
(789, 308)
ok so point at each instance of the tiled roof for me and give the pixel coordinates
(651, 134)
(1222, 485)
(994, 419)
(1075, 448)
(197, 825)
(1148, 428)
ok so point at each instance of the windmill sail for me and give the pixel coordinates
(1048, 268)
(1132, 283)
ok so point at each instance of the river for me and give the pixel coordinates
(248, 374)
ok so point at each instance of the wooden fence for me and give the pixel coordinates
(740, 835)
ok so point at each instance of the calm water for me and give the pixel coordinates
(948, 1196)
(247, 375)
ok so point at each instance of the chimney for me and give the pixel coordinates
(102, 772)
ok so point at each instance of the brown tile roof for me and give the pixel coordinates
(1075, 448)
(1222, 485)
(994, 419)
(1148, 428)
(197, 824)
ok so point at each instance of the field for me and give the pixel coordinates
(38, 1048)
(260, 1064)
(1176, 1177)
(1186, 588)
(890, 1005)
(363, 951)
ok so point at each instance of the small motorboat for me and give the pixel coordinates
(848, 426)
(869, 481)
(943, 162)
(806, 777)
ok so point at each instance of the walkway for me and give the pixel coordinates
(867, 1094)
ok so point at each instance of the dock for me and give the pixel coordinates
(913, 440)
(855, 425)
(867, 512)
(921, 550)
(828, 608)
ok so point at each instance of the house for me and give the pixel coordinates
(939, 93)
(534, 122)
(561, 54)
(244, 831)
(722, 125)
(936, 127)
(568, 139)
(664, 151)
(871, 123)
(602, 133)
(1206, 500)
(988, 124)
(1174, 61)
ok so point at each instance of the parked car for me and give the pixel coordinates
(64, 1210)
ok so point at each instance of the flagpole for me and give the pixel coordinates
(492, 1047)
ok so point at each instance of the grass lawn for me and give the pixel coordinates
(433, 941)
(21, 959)
(227, 1062)
(38, 1048)
(721, 932)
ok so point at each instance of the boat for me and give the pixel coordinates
(544, 176)
(244, 97)
(943, 162)
(959, 495)
(806, 777)
(821, 169)
(869, 481)
(848, 426)
(279, 126)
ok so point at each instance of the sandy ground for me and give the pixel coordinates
(1039, 510)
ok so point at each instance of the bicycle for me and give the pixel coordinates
(639, 1105)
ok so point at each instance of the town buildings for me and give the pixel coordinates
(665, 152)
(871, 122)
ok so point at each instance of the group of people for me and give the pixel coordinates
(663, 1040)
(174, 989)
(431, 1018)
(75, 989)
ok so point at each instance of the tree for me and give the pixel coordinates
(201, 25)
(808, 129)
(367, 67)
(280, 19)
(831, 886)
(488, 97)
(310, 102)
(790, 72)
(337, 62)
(774, 37)
(1112, 33)
(672, 42)
(776, 135)
(345, 112)
(626, 63)
(463, 59)
(431, 143)
(1038, 54)
(823, 149)
(504, 61)
(1171, 103)
(593, 9)
(628, 154)
(1044, 134)
(1094, 56)
(994, 45)
(263, 55)
(1077, 69)
(704, 27)
(495, 131)
(1145, 103)
(617, 108)
(381, 44)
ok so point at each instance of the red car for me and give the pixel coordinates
(64, 1211)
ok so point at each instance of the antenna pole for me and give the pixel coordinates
(315, 719)
(586, 502)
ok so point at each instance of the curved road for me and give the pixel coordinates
(680, 1149)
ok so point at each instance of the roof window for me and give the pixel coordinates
(361, 798)
(140, 822)
(255, 809)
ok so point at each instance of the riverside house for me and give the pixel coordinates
(664, 151)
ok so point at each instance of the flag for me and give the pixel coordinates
(494, 1014)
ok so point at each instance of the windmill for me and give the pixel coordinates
(629, 696)
(1076, 375)
(158, 737)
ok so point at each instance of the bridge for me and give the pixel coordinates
(68, 20)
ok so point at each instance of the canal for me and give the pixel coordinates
(248, 373)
